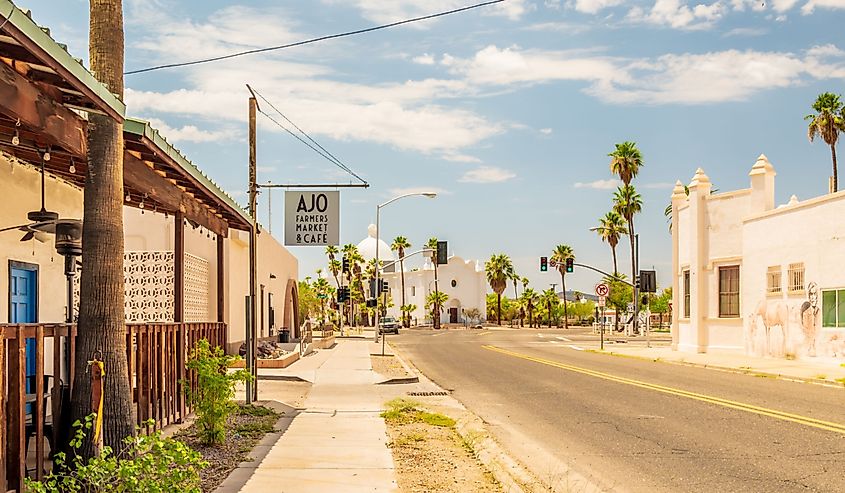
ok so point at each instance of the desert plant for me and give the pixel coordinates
(215, 392)
(146, 463)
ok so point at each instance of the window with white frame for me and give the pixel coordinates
(795, 275)
(773, 278)
(833, 308)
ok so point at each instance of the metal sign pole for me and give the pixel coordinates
(602, 328)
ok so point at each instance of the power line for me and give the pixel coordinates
(314, 40)
(334, 159)
(325, 154)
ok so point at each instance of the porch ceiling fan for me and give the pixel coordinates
(42, 222)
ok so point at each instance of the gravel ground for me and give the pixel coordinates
(432, 457)
(244, 429)
(388, 366)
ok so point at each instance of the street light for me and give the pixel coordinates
(429, 195)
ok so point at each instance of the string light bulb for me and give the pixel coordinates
(47, 154)
(72, 168)
(128, 197)
(16, 139)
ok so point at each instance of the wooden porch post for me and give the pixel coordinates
(221, 307)
(179, 268)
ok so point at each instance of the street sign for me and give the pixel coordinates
(630, 307)
(312, 218)
(602, 301)
(602, 290)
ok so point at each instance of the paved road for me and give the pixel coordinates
(635, 425)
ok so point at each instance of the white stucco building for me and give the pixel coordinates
(753, 277)
(464, 281)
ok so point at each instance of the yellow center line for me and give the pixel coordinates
(485, 333)
(740, 406)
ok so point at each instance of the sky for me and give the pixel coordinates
(508, 111)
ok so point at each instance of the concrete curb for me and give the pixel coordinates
(728, 369)
(283, 378)
(509, 472)
(401, 380)
(239, 476)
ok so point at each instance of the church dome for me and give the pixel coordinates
(367, 247)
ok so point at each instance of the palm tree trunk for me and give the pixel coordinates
(615, 267)
(549, 303)
(405, 322)
(565, 312)
(632, 238)
(835, 173)
(499, 309)
(101, 309)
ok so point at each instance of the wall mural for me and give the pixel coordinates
(792, 329)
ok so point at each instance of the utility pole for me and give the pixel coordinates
(270, 209)
(252, 387)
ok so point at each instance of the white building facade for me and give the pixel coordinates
(463, 281)
(753, 277)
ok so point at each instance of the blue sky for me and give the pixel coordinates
(508, 112)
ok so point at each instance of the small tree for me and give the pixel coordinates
(434, 301)
(215, 393)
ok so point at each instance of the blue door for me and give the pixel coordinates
(23, 291)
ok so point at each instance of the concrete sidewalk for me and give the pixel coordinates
(814, 370)
(338, 442)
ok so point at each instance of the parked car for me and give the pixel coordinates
(388, 324)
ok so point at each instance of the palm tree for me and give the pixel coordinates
(334, 263)
(400, 244)
(102, 326)
(432, 244)
(550, 299)
(350, 252)
(322, 287)
(498, 269)
(626, 203)
(626, 161)
(434, 301)
(407, 310)
(827, 122)
(610, 229)
(530, 298)
(559, 256)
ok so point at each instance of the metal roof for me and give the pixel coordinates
(24, 41)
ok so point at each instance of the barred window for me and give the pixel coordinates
(729, 291)
(686, 294)
(795, 274)
(773, 278)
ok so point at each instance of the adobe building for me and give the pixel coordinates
(753, 277)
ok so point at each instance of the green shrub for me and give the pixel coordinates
(215, 393)
(148, 463)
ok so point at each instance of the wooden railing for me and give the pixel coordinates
(156, 355)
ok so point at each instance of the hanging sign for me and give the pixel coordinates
(312, 218)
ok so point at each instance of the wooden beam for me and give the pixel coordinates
(138, 175)
(24, 100)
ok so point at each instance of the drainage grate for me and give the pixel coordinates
(427, 394)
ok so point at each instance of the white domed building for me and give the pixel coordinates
(367, 249)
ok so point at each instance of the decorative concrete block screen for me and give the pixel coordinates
(149, 286)
(197, 292)
(149, 277)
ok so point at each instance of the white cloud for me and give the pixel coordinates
(383, 12)
(425, 59)
(610, 184)
(393, 192)
(405, 115)
(745, 32)
(546, 131)
(679, 15)
(685, 78)
(594, 6)
(191, 133)
(810, 6)
(487, 174)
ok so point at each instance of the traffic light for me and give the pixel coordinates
(345, 265)
(383, 286)
(648, 281)
(644, 301)
(637, 282)
(544, 264)
(570, 265)
(342, 294)
(442, 255)
(372, 303)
